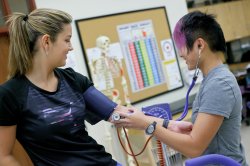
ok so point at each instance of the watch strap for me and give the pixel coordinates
(165, 123)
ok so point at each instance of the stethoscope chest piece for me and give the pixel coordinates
(116, 116)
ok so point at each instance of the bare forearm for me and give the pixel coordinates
(9, 160)
(183, 143)
(177, 135)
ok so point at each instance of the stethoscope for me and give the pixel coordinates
(116, 116)
(196, 74)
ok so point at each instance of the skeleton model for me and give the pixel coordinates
(107, 67)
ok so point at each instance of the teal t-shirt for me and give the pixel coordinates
(220, 94)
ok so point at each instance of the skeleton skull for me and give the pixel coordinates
(103, 42)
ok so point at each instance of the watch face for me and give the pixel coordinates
(151, 128)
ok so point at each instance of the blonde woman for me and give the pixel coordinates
(44, 107)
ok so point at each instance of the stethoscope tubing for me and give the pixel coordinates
(196, 73)
(185, 111)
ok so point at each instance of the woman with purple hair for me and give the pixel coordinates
(216, 115)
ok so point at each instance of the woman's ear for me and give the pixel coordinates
(45, 42)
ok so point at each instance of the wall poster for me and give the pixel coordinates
(130, 56)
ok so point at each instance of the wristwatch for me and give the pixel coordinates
(151, 128)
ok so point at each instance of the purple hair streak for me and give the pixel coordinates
(179, 38)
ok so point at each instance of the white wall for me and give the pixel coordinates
(80, 9)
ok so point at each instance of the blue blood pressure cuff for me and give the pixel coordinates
(98, 106)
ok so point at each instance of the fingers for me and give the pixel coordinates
(126, 119)
(180, 126)
(122, 123)
(125, 114)
(120, 112)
